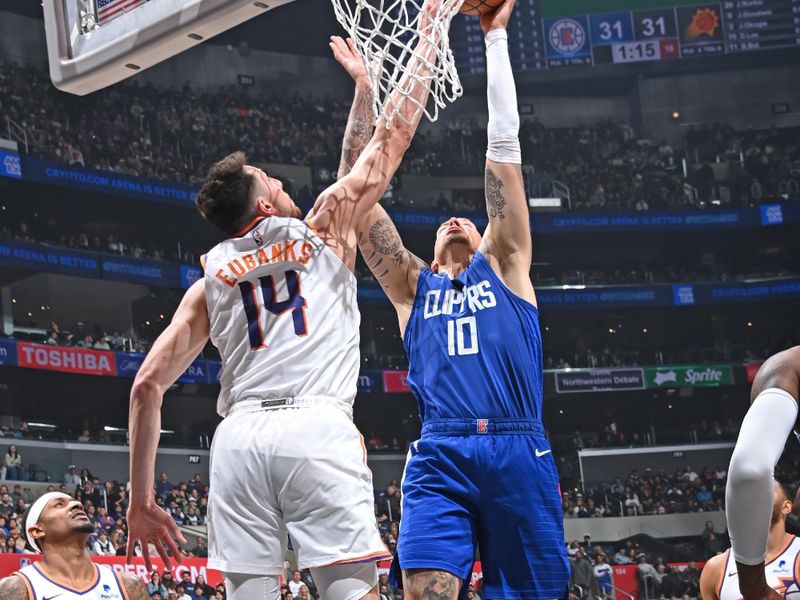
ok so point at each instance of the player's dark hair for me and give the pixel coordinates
(224, 199)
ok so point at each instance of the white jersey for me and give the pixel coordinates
(284, 317)
(107, 585)
(782, 571)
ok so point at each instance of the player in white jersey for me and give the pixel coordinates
(719, 580)
(57, 526)
(279, 301)
(772, 417)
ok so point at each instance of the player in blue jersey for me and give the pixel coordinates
(482, 474)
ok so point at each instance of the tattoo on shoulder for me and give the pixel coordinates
(495, 201)
(13, 588)
(135, 587)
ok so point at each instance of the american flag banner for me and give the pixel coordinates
(111, 9)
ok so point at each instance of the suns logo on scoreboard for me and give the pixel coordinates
(567, 36)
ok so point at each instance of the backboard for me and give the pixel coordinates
(92, 44)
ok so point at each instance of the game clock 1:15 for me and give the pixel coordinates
(636, 51)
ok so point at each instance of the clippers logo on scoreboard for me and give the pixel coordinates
(567, 36)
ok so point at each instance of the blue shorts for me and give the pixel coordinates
(491, 484)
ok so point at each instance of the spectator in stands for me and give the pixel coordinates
(715, 545)
(295, 583)
(201, 585)
(200, 550)
(12, 465)
(104, 520)
(103, 546)
(646, 575)
(164, 486)
(620, 557)
(186, 582)
(180, 591)
(603, 573)
(71, 477)
(582, 575)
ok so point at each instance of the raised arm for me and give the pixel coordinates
(341, 207)
(171, 355)
(395, 268)
(748, 494)
(507, 239)
(359, 127)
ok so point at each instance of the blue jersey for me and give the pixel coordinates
(474, 347)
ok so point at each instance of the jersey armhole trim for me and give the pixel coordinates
(325, 246)
(414, 304)
(28, 585)
(722, 574)
(121, 585)
(516, 297)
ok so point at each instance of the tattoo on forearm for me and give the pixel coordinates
(495, 201)
(358, 131)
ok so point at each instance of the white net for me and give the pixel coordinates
(386, 33)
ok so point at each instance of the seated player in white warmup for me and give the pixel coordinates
(57, 527)
(772, 416)
(719, 580)
(279, 302)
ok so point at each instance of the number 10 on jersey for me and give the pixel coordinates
(462, 337)
(269, 300)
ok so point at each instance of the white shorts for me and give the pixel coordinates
(301, 471)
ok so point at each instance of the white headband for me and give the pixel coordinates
(36, 511)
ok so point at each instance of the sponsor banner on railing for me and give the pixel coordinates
(395, 382)
(8, 353)
(10, 563)
(751, 370)
(689, 376)
(66, 360)
(197, 372)
(38, 257)
(139, 270)
(370, 381)
(107, 182)
(604, 297)
(598, 380)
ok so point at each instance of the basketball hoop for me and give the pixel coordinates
(385, 33)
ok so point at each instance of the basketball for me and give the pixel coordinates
(480, 7)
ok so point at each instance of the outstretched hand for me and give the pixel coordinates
(347, 55)
(499, 18)
(152, 524)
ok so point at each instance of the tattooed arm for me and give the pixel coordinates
(340, 208)
(134, 587)
(13, 588)
(507, 239)
(359, 127)
(395, 268)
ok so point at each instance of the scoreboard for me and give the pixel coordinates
(547, 34)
